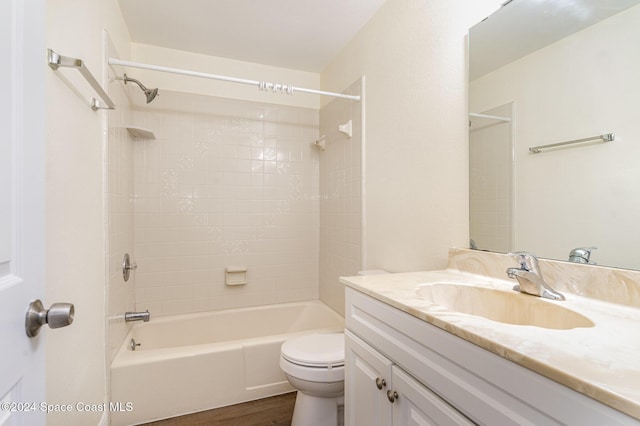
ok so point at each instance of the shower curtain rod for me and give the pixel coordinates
(262, 85)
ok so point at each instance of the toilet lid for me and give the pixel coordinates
(315, 350)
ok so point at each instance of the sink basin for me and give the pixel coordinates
(508, 307)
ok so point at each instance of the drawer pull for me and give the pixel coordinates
(392, 396)
(380, 383)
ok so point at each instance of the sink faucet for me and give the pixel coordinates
(137, 316)
(529, 277)
(581, 255)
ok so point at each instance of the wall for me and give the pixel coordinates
(221, 66)
(227, 183)
(340, 197)
(587, 195)
(75, 217)
(413, 53)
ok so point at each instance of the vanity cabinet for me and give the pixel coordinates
(378, 393)
(443, 379)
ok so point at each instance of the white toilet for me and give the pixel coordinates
(314, 365)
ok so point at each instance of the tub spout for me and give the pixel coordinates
(137, 316)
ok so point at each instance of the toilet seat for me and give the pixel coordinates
(315, 350)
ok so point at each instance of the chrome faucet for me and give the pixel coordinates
(529, 277)
(581, 255)
(137, 316)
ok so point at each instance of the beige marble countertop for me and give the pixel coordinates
(602, 362)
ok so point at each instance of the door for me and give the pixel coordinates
(22, 136)
(415, 405)
(367, 379)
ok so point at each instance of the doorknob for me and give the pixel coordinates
(58, 315)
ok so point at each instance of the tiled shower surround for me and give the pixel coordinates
(226, 183)
(491, 176)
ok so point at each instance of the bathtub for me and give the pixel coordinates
(195, 362)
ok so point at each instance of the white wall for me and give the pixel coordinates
(584, 195)
(413, 53)
(75, 200)
(221, 66)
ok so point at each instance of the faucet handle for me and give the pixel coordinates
(528, 261)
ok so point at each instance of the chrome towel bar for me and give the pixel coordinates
(607, 137)
(56, 60)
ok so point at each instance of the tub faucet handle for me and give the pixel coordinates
(127, 266)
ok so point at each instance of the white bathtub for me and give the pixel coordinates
(195, 362)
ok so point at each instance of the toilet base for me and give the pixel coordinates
(312, 410)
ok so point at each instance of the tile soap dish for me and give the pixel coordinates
(140, 133)
(236, 275)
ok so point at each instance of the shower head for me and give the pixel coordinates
(149, 93)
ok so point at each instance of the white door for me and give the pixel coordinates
(22, 136)
(367, 379)
(415, 405)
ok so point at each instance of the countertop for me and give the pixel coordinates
(602, 362)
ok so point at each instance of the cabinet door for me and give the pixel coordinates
(367, 379)
(417, 405)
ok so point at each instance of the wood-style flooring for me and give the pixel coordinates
(273, 411)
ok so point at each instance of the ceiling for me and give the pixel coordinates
(297, 34)
(524, 26)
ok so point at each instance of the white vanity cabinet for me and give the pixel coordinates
(379, 393)
(442, 379)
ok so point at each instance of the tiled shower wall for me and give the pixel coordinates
(226, 183)
(491, 181)
(119, 193)
(340, 198)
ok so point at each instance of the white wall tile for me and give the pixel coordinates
(490, 190)
(219, 188)
(120, 213)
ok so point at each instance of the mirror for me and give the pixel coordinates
(544, 72)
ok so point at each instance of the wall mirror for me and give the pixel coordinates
(544, 72)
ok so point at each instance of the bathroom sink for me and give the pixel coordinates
(508, 307)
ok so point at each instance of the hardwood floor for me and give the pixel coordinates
(273, 411)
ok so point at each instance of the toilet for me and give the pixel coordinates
(314, 365)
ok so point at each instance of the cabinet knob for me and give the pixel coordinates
(392, 396)
(380, 383)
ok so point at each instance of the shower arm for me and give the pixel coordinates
(149, 93)
(129, 79)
